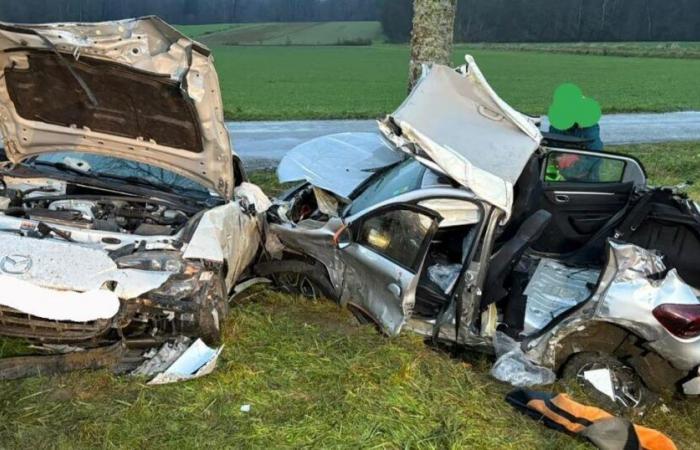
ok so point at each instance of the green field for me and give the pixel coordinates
(313, 378)
(282, 71)
(367, 82)
(290, 33)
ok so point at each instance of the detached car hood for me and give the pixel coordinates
(135, 89)
(338, 163)
(459, 121)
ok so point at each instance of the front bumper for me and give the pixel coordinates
(17, 324)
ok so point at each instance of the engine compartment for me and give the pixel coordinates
(57, 202)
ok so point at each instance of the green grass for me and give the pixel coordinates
(643, 49)
(669, 164)
(282, 82)
(286, 33)
(313, 378)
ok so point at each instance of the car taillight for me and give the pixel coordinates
(681, 320)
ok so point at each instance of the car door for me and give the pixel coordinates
(382, 260)
(584, 190)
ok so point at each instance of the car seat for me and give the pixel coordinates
(509, 254)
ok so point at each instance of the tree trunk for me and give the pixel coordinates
(432, 35)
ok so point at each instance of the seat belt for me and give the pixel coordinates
(635, 217)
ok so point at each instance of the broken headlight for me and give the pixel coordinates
(178, 287)
(157, 260)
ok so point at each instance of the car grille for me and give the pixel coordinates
(14, 323)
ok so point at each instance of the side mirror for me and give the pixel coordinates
(342, 238)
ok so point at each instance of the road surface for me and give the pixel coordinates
(262, 144)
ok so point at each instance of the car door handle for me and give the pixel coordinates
(394, 289)
(561, 198)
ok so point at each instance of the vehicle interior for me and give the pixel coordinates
(549, 258)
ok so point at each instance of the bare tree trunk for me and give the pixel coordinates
(580, 19)
(432, 35)
(649, 23)
(602, 20)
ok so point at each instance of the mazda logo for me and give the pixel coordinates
(16, 264)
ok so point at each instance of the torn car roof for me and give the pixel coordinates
(135, 89)
(459, 121)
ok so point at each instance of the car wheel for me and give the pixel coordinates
(297, 284)
(629, 391)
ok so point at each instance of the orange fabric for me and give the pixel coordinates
(651, 439)
(539, 406)
(585, 412)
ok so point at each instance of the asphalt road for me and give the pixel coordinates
(262, 144)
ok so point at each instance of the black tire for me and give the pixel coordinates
(629, 390)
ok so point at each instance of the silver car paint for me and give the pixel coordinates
(625, 297)
(338, 163)
(314, 239)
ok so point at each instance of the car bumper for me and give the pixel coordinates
(692, 386)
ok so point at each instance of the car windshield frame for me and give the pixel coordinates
(383, 185)
(119, 170)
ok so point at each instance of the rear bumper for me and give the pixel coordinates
(692, 386)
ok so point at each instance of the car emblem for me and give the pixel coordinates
(16, 264)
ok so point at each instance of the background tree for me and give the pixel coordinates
(432, 35)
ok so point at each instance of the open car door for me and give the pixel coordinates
(383, 252)
(584, 190)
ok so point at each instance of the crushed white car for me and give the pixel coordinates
(125, 216)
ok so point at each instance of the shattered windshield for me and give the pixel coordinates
(398, 179)
(117, 169)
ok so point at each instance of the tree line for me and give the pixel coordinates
(189, 11)
(558, 20)
(476, 20)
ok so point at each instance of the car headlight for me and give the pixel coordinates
(177, 287)
(156, 260)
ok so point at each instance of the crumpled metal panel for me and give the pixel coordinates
(552, 290)
(56, 304)
(226, 234)
(149, 45)
(626, 296)
(467, 130)
(338, 163)
(55, 264)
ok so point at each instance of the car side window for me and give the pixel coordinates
(564, 167)
(398, 234)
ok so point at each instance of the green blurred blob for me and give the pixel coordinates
(570, 107)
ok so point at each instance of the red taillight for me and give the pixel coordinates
(681, 320)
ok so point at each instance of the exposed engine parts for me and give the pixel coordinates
(103, 213)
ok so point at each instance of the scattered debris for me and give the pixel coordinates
(245, 408)
(601, 379)
(512, 366)
(28, 366)
(178, 361)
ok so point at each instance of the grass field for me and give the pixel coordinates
(296, 33)
(366, 82)
(313, 378)
(281, 71)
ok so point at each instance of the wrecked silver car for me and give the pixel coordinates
(124, 213)
(461, 221)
